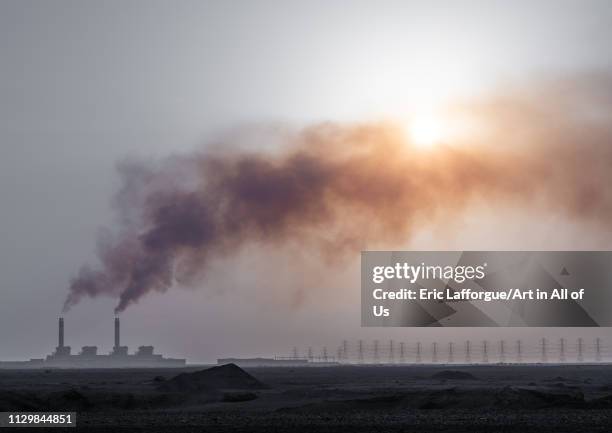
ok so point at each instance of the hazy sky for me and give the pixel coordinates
(84, 84)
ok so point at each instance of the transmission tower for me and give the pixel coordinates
(376, 351)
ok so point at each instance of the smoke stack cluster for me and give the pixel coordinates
(339, 189)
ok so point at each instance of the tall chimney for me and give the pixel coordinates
(60, 342)
(117, 342)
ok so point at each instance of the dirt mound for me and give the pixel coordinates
(67, 400)
(505, 398)
(228, 376)
(521, 398)
(239, 396)
(455, 398)
(601, 402)
(453, 375)
(70, 399)
(14, 401)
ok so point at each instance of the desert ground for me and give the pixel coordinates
(393, 398)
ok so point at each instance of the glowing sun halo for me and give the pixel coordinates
(426, 130)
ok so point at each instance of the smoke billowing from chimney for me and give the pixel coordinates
(343, 188)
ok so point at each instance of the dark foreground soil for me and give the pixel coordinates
(473, 399)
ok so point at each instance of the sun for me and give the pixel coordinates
(426, 130)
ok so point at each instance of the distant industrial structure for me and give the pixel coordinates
(264, 362)
(89, 357)
(459, 353)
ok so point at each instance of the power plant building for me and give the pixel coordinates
(88, 357)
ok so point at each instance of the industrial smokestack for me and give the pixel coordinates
(117, 342)
(60, 342)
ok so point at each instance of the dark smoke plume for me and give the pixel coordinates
(343, 188)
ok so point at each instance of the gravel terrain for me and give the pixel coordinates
(492, 398)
